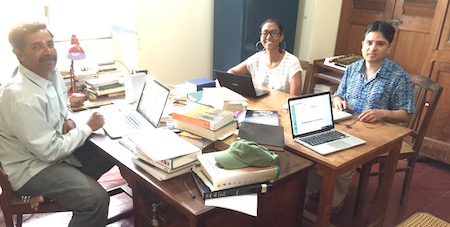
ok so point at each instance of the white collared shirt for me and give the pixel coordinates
(32, 114)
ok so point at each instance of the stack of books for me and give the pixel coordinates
(153, 156)
(111, 87)
(261, 127)
(205, 121)
(214, 181)
(224, 99)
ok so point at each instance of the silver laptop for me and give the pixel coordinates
(122, 120)
(313, 126)
(242, 84)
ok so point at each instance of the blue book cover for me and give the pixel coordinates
(199, 83)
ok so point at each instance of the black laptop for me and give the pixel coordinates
(241, 84)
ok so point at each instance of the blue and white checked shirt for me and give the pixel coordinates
(389, 89)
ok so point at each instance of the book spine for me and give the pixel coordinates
(245, 190)
(165, 165)
(222, 183)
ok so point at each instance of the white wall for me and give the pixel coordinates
(317, 26)
(175, 39)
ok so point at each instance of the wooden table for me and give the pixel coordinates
(282, 206)
(379, 139)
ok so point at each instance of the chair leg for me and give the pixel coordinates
(381, 169)
(8, 218)
(407, 181)
(19, 220)
(364, 176)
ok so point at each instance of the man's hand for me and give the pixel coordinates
(96, 121)
(339, 103)
(68, 125)
(372, 115)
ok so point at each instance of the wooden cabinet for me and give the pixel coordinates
(323, 74)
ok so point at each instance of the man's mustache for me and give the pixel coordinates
(48, 58)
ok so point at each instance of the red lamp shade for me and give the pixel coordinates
(75, 52)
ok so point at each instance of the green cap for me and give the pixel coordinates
(243, 153)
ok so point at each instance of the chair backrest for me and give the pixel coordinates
(307, 68)
(5, 196)
(426, 96)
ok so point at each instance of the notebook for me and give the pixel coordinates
(121, 120)
(241, 84)
(339, 115)
(313, 126)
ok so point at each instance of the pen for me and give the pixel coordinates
(189, 190)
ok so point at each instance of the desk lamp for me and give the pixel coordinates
(75, 53)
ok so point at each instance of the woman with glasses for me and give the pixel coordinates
(273, 66)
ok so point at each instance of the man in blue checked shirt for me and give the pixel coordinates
(377, 89)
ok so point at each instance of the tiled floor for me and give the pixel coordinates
(430, 192)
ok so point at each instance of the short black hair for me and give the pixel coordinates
(20, 31)
(385, 28)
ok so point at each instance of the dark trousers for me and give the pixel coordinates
(76, 188)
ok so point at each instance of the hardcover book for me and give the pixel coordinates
(220, 133)
(102, 81)
(269, 136)
(221, 178)
(204, 116)
(158, 173)
(206, 192)
(198, 84)
(267, 117)
(168, 165)
(194, 139)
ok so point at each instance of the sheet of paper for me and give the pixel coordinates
(247, 204)
(154, 144)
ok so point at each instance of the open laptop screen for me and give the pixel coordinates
(310, 113)
(153, 100)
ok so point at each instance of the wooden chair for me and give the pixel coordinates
(15, 205)
(424, 89)
(307, 67)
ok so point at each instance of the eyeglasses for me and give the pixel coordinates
(273, 33)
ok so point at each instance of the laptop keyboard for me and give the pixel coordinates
(315, 140)
(131, 121)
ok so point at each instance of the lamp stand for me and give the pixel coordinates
(76, 98)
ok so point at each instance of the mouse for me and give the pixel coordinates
(285, 106)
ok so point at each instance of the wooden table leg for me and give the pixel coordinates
(386, 185)
(326, 198)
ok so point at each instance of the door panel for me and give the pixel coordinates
(436, 144)
(359, 13)
(411, 59)
(412, 20)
